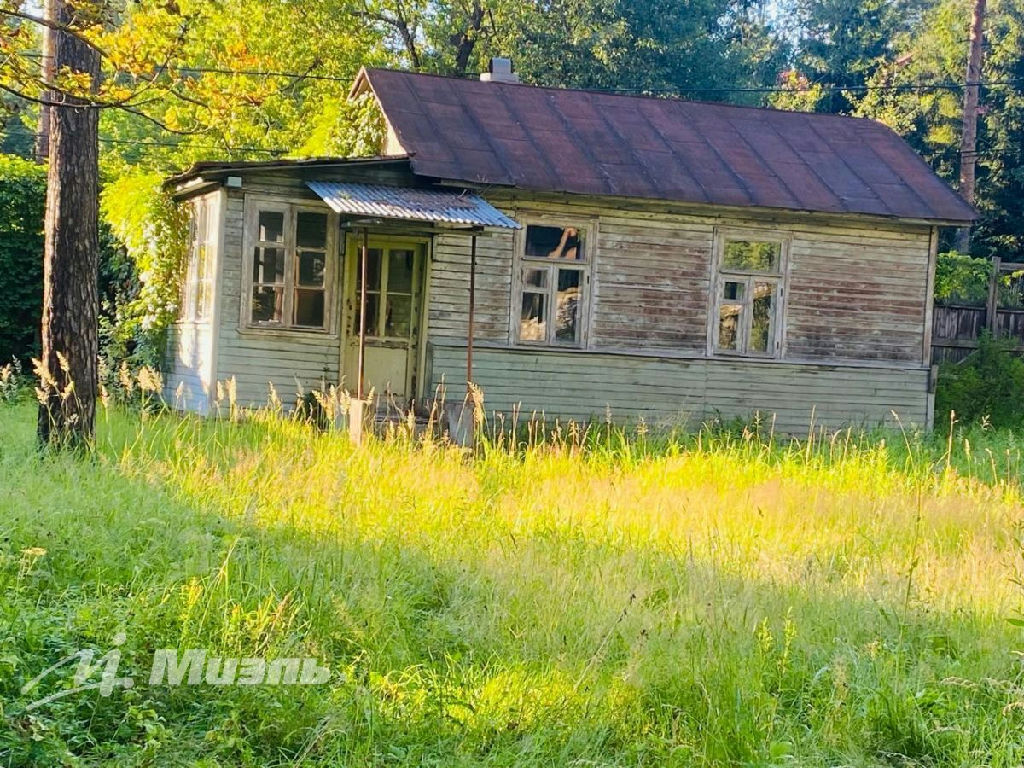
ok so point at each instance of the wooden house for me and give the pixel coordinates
(576, 254)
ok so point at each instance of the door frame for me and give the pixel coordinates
(353, 241)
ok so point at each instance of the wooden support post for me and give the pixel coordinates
(364, 256)
(462, 415)
(358, 410)
(993, 296)
(472, 313)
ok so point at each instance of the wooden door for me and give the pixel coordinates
(394, 303)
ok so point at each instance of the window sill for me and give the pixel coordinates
(543, 346)
(258, 332)
(725, 355)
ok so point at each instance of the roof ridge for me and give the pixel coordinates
(638, 96)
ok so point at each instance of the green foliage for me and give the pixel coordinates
(711, 601)
(22, 201)
(154, 233)
(934, 51)
(961, 279)
(843, 41)
(986, 387)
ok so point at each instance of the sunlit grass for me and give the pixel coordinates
(613, 598)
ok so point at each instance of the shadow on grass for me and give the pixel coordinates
(546, 650)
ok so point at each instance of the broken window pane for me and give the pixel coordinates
(535, 278)
(398, 319)
(733, 291)
(567, 308)
(311, 268)
(752, 255)
(309, 308)
(532, 325)
(554, 243)
(267, 304)
(268, 265)
(400, 266)
(761, 320)
(730, 315)
(311, 229)
(271, 227)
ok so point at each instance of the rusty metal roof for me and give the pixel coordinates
(433, 205)
(547, 139)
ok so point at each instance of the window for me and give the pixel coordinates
(554, 271)
(749, 295)
(290, 281)
(390, 290)
(197, 293)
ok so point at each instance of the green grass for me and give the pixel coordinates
(614, 600)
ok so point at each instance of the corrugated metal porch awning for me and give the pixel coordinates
(410, 204)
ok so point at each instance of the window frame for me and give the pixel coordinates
(748, 277)
(197, 303)
(254, 206)
(521, 262)
(387, 243)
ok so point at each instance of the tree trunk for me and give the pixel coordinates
(67, 412)
(969, 138)
(42, 148)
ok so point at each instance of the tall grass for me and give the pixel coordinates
(602, 597)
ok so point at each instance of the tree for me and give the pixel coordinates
(918, 90)
(969, 135)
(842, 42)
(72, 91)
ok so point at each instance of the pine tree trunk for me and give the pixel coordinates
(969, 138)
(42, 148)
(67, 412)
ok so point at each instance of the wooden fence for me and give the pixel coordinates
(956, 328)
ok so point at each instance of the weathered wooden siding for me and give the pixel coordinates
(187, 369)
(447, 316)
(651, 278)
(685, 390)
(289, 360)
(855, 292)
(855, 321)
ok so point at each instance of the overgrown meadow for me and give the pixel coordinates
(615, 597)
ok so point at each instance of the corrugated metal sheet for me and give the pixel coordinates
(546, 139)
(431, 205)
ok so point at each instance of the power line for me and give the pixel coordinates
(172, 144)
(953, 85)
(186, 145)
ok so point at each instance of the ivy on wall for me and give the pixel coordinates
(153, 230)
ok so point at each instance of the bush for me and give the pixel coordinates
(961, 279)
(22, 202)
(154, 233)
(988, 385)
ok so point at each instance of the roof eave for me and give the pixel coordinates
(484, 187)
(210, 171)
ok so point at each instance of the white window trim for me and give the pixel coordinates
(588, 226)
(720, 276)
(254, 205)
(190, 293)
